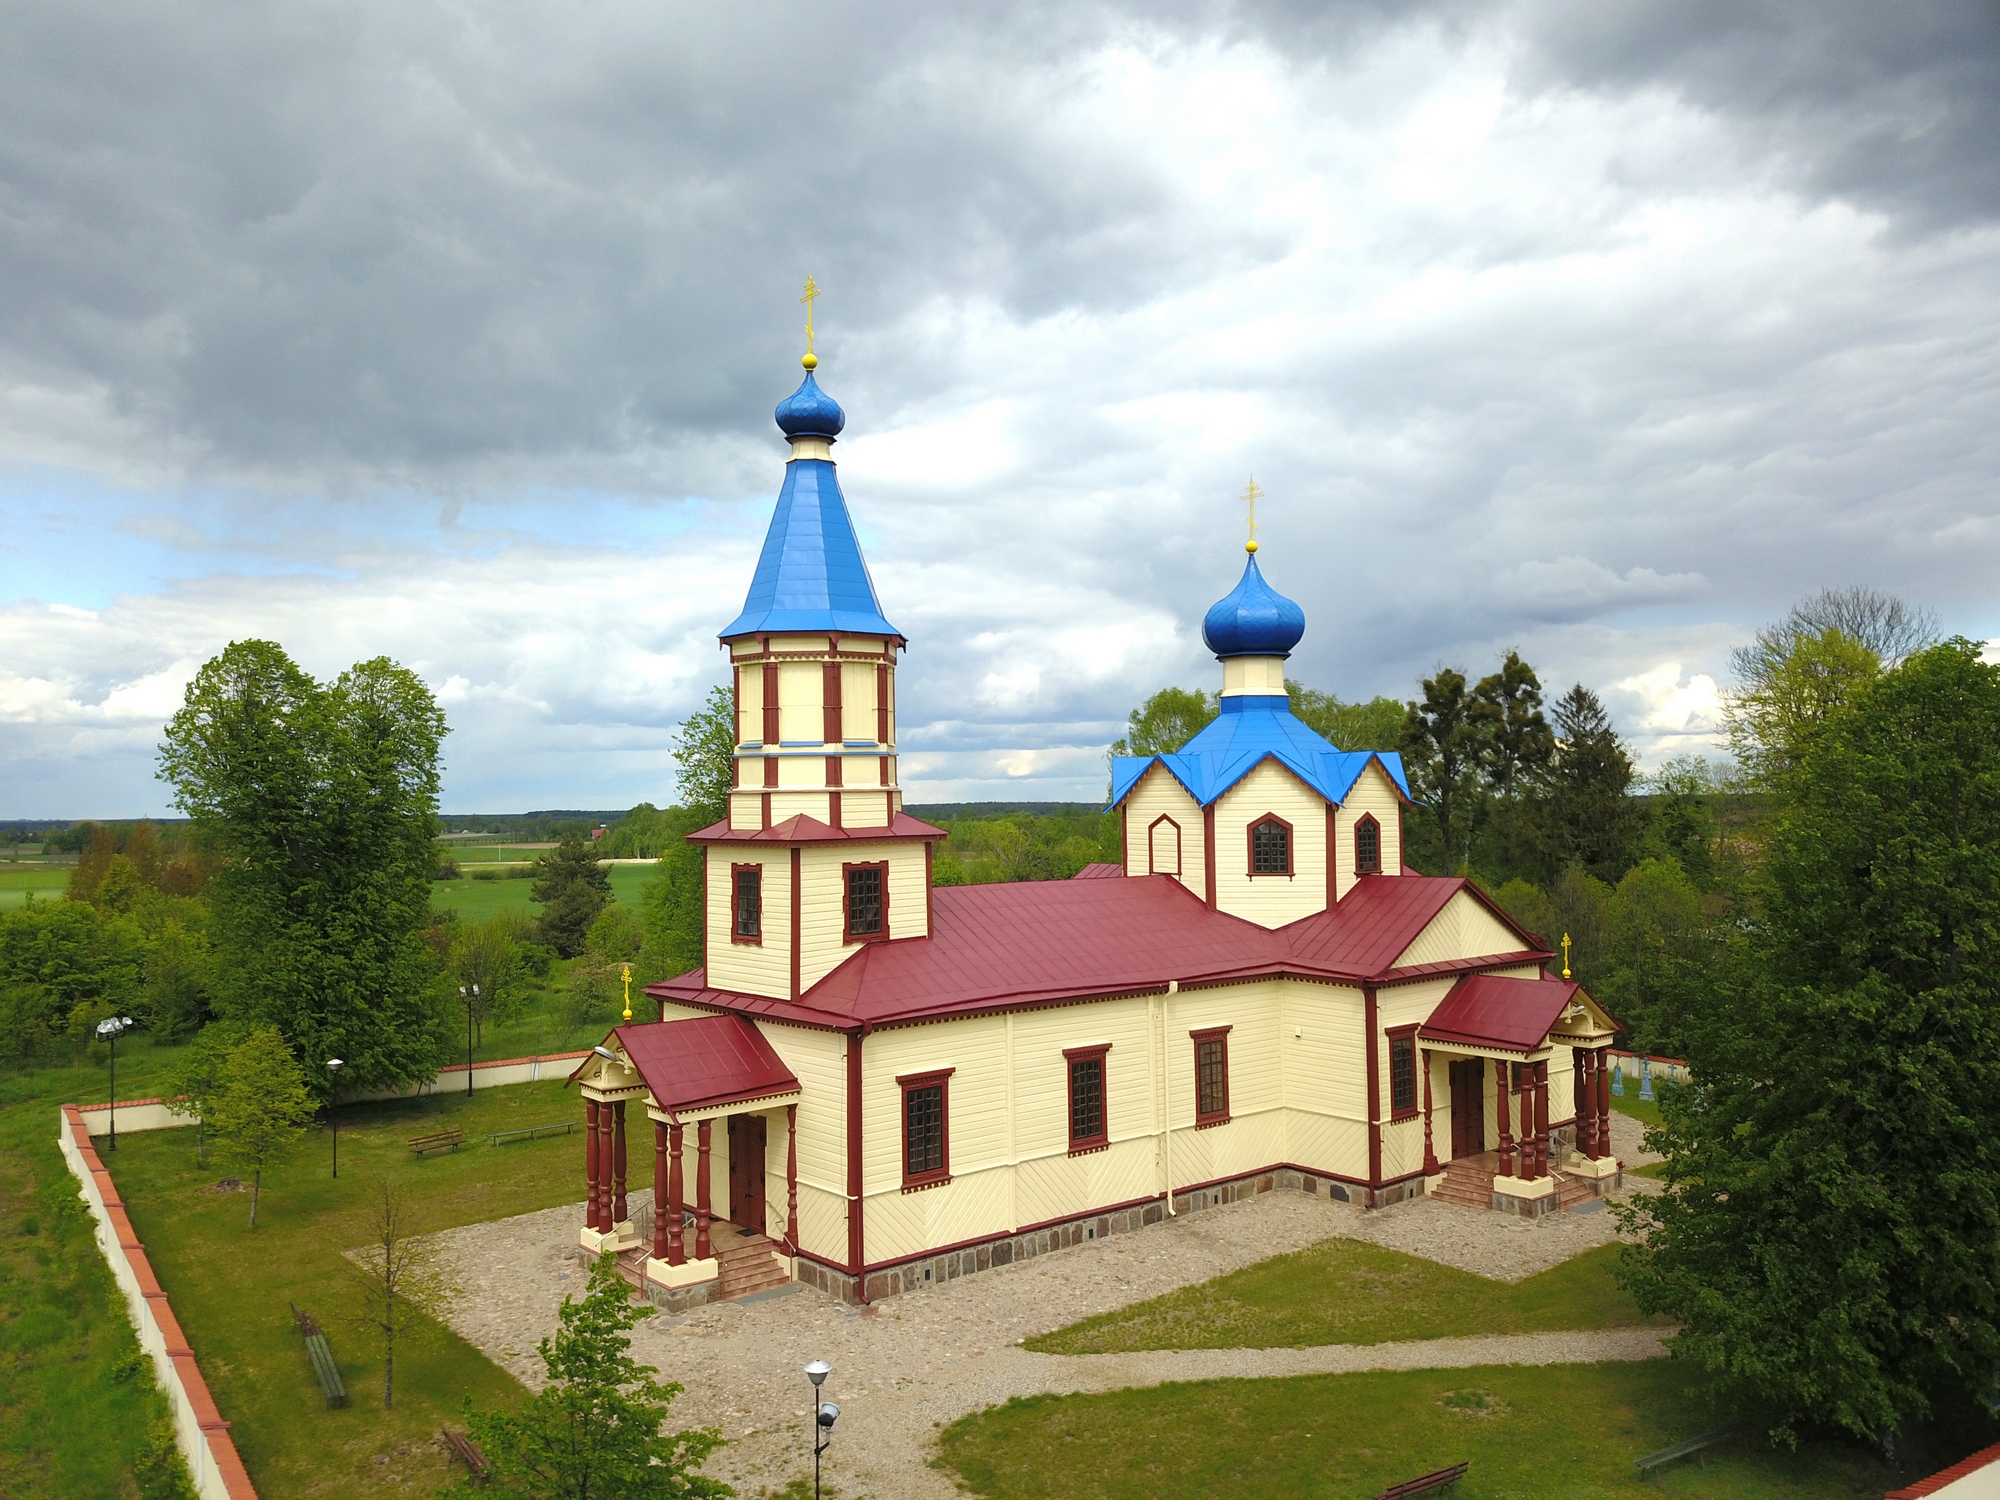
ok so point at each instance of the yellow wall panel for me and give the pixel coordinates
(1270, 900)
(801, 696)
(754, 968)
(857, 701)
(1464, 929)
(1373, 794)
(1156, 796)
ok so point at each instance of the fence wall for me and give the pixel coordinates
(199, 1429)
(1662, 1069)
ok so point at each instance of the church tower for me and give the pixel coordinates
(816, 857)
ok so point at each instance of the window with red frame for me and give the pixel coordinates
(926, 1143)
(1271, 848)
(1211, 1076)
(1403, 1072)
(867, 901)
(1367, 847)
(1089, 1119)
(748, 903)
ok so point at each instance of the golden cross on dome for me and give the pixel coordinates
(811, 361)
(1565, 955)
(1251, 496)
(628, 992)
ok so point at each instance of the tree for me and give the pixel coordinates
(1518, 744)
(572, 889)
(1374, 725)
(197, 1074)
(1829, 1237)
(672, 903)
(1682, 822)
(1444, 744)
(402, 1283)
(320, 804)
(259, 1107)
(1660, 955)
(1586, 814)
(705, 756)
(1166, 721)
(57, 957)
(1886, 626)
(1772, 717)
(489, 955)
(594, 1431)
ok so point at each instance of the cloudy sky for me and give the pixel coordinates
(452, 332)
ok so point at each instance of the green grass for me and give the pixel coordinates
(1551, 1433)
(231, 1287)
(477, 900)
(1349, 1292)
(45, 882)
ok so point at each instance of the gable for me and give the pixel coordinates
(1464, 928)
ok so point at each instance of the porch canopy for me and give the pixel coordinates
(1493, 1013)
(703, 1063)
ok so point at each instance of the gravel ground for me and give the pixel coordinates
(931, 1356)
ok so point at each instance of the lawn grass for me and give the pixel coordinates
(77, 1412)
(232, 1287)
(1350, 1292)
(44, 882)
(477, 900)
(1550, 1432)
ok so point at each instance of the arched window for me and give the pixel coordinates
(1270, 846)
(1163, 852)
(1367, 846)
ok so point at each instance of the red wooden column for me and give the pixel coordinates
(701, 1247)
(1430, 1156)
(1542, 1119)
(618, 1214)
(676, 1204)
(660, 1191)
(1503, 1075)
(590, 1160)
(1603, 1101)
(792, 1179)
(1586, 1102)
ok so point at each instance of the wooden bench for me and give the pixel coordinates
(462, 1444)
(320, 1354)
(1423, 1484)
(1685, 1446)
(444, 1139)
(531, 1132)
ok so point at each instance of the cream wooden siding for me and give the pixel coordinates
(1463, 929)
(798, 643)
(749, 703)
(1325, 1079)
(1270, 900)
(1159, 794)
(1259, 676)
(1403, 1142)
(822, 912)
(1373, 793)
(801, 695)
(1255, 1134)
(754, 968)
(1050, 1183)
(857, 702)
(819, 1060)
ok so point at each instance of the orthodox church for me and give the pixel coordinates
(872, 1083)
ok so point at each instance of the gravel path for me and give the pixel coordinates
(934, 1355)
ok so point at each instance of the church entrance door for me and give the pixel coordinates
(1468, 1107)
(746, 1171)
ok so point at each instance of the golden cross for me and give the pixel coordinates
(1251, 496)
(1565, 963)
(628, 992)
(812, 291)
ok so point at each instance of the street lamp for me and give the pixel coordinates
(825, 1414)
(109, 1030)
(469, 1003)
(333, 1066)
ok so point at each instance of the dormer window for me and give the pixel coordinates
(867, 902)
(1367, 846)
(1271, 846)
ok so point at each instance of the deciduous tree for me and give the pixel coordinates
(259, 1107)
(705, 756)
(402, 1282)
(1166, 721)
(1374, 725)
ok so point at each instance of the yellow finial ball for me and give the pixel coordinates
(1249, 546)
(811, 360)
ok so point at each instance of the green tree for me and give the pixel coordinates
(1444, 745)
(1577, 905)
(672, 902)
(259, 1107)
(320, 802)
(1374, 725)
(1660, 957)
(1518, 743)
(1772, 717)
(490, 955)
(572, 889)
(594, 1430)
(59, 959)
(1586, 814)
(705, 756)
(1166, 721)
(1683, 821)
(403, 1286)
(197, 1074)
(1829, 1237)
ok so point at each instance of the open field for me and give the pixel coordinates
(1551, 1432)
(46, 882)
(1349, 1292)
(233, 1287)
(476, 900)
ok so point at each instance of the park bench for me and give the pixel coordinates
(440, 1141)
(321, 1356)
(531, 1132)
(462, 1444)
(1685, 1446)
(1423, 1484)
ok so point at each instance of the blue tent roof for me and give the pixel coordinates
(1246, 731)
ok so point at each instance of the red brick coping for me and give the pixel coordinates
(1944, 1477)
(199, 1428)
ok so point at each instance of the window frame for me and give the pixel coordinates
(1250, 848)
(1152, 829)
(908, 1083)
(1203, 1119)
(736, 933)
(1367, 820)
(1406, 1035)
(847, 932)
(1084, 1145)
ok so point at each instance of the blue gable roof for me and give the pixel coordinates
(1247, 730)
(811, 575)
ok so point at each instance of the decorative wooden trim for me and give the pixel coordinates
(1250, 846)
(797, 924)
(940, 1079)
(1079, 1145)
(771, 703)
(831, 724)
(1371, 1041)
(855, 1239)
(736, 934)
(767, 811)
(1174, 824)
(1208, 850)
(1408, 1036)
(1332, 864)
(1367, 820)
(847, 932)
(930, 889)
(770, 770)
(1124, 839)
(1205, 1118)
(882, 708)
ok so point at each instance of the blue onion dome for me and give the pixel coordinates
(810, 412)
(1253, 620)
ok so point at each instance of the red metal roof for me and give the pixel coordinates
(800, 829)
(1032, 942)
(1939, 1481)
(1095, 871)
(1491, 1010)
(704, 1061)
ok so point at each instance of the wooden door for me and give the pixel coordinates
(746, 1171)
(1468, 1107)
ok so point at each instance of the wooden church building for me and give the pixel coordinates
(872, 1083)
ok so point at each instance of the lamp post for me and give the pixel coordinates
(469, 1003)
(825, 1414)
(333, 1066)
(109, 1030)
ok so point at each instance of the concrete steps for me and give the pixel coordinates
(1468, 1183)
(746, 1264)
